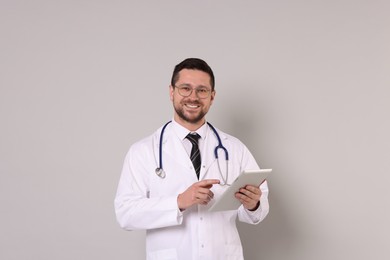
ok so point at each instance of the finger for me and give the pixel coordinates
(203, 202)
(247, 193)
(246, 202)
(203, 197)
(243, 198)
(253, 189)
(249, 201)
(207, 192)
(207, 186)
(208, 182)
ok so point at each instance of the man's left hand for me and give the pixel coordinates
(249, 196)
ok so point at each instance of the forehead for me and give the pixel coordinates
(194, 78)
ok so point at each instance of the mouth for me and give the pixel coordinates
(192, 106)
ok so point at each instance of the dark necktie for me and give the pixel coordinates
(195, 153)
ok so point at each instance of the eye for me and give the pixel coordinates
(186, 89)
(203, 90)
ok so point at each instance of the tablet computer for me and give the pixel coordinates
(228, 201)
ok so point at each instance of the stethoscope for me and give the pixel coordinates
(161, 173)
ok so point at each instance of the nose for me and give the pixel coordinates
(194, 94)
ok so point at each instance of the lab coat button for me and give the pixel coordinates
(201, 218)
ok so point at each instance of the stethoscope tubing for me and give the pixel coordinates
(160, 171)
(160, 147)
(219, 146)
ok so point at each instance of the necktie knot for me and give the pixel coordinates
(193, 137)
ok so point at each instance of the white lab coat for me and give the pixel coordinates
(146, 201)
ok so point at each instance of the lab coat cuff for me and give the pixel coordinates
(256, 216)
(179, 213)
(253, 214)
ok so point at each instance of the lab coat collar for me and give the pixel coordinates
(182, 132)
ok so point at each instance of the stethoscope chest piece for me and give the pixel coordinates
(160, 172)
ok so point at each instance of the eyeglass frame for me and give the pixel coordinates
(197, 89)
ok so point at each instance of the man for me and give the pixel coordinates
(172, 203)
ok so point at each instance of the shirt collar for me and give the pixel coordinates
(182, 132)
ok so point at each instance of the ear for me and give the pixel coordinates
(212, 97)
(171, 89)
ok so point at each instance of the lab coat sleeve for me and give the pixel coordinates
(133, 207)
(256, 216)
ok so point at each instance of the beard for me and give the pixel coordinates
(192, 118)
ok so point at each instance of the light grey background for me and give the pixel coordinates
(305, 84)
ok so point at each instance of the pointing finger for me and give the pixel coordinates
(208, 182)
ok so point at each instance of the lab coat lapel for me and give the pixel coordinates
(173, 147)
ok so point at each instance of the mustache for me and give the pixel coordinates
(194, 102)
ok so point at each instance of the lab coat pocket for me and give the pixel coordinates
(165, 254)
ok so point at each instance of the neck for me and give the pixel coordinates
(191, 126)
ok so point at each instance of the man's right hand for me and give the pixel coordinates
(197, 193)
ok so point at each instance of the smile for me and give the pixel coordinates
(192, 105)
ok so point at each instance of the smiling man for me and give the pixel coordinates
(170, 179)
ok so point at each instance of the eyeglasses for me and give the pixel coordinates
(186, 91)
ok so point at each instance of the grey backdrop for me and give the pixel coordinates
(305, 84)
